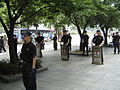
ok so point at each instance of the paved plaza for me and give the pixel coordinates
(76, 74)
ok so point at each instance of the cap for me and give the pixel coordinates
(27, 34)
(64, 30)
(98, 31)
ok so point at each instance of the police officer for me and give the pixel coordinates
(55, 42)
(85, 41)
(40, 41)
(98, 41)
(65, 38)
(116, 40)
(28, 55)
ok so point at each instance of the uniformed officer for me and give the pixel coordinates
(65, 42)
(28, 55)
(116, 40)
(65, 38)
(55, 42)
(40, 42)
(85, 41)
(98, 41)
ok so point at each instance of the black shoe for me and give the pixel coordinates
(114, 53)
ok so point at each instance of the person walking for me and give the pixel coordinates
(28, 55)
(85, 42)
(2, 44)
(40, 41)
(55, 42)
(116, 40)
(98, 40)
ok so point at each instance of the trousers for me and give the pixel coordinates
(29, 77)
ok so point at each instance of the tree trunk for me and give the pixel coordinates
(13, 57)
(79, 32)
(105, 33)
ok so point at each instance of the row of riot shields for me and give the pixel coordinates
(97, 54)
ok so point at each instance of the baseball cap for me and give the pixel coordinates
(65, 31)
(98, 31)
(27, 34)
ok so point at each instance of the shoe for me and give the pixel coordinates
(114, 53)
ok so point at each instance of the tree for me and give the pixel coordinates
(107, 17)
(15, 12)
(80, 14)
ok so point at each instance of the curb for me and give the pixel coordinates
(8, 79)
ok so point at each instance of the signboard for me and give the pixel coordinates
(64, 53)
(96, 55)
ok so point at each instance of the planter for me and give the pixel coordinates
(11, 78)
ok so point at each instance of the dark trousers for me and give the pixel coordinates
(85, 46)
(0, 49)
(116, 46)
(102, 54)
(29, 77)
(55, 46)
(69, 46)
(41, 47)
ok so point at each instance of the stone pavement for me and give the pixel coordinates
(76, 74)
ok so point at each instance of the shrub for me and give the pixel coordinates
(8, 68)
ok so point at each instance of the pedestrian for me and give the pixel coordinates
(55, 42)
(116, 40)
(28, 55)
(70, 47)
(2, 44)
(85, 41)
(15, 44)
(98, 40)
(40, 42)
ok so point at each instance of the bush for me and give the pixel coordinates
(38, 64)
(8, 68)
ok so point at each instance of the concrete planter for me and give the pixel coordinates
(11, 78)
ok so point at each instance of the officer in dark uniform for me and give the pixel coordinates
(85, 41)
(28, 55)
(116, 40)
(65, 38)
(98, 41)
(55, 42)
(65, 42)
(40, 41)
